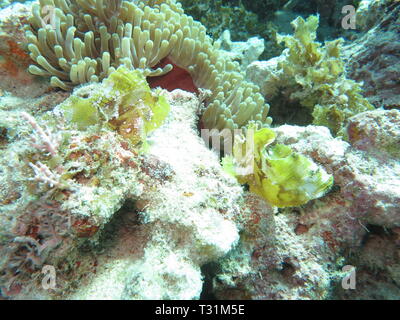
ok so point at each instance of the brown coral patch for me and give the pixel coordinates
(301, 229)
(84, 228)
(156, 169)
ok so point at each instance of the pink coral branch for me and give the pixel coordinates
(44, 139)
(45, 175)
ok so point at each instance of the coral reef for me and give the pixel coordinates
(78, 166)
(247, 18)
(363, 134)
(187, 206)
(299, 253)
(278, 11)
(311, 76)
(273, 263)
(58, 177)
(111, 187)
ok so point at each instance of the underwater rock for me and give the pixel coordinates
(374, 59)
(272, 262)
(185, 212)
(51, 209)
(243, 52)
(369, 12)
(378, 267)
(266, 73)
(14, 59)
(296, 254)
(309, 79)
(193, 215)
(188, 220)
(376, 132)
(112, 187)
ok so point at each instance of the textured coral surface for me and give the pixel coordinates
(374, 57)
(114, 186)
